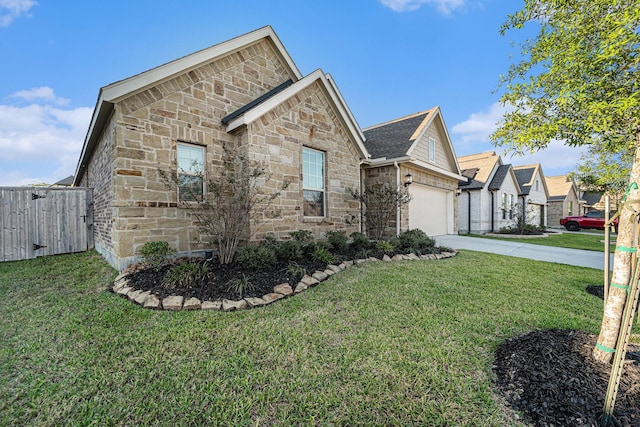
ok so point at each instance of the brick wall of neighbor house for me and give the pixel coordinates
(99, 176)
(277, 138)
(188, 108)
(555, 211)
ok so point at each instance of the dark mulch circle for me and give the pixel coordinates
(596, 290)
(550, 377)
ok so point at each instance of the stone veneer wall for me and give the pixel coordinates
(187, 108)
(277, 139)
(381, 175)
(99, 175)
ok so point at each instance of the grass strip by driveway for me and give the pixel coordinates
(590, 242)
(408, 343)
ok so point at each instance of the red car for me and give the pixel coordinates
(594, 219)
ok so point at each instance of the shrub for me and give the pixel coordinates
(256, 257)
(322, 254)
(360, 240)
(296, 270)
(240, 286)
(303, 237)
(185, 275)
(337, 239)
(385, 246)
(289, 250)
(415, 241)
(156, 253)
(270, 242)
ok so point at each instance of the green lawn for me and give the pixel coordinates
(407, 343)
(591, 242)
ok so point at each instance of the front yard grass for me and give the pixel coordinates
(590, 242)
(408, 343)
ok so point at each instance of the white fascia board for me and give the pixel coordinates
(124, 88)
(263, 108)
(99, 109)
(383, 161)
(436, 169)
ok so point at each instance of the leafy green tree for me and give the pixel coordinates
(603, 171)
(577, 82)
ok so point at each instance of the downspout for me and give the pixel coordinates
(469, 211)
(398, 217)
(361, 192)
(493, 211)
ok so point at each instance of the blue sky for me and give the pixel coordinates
(390, 58)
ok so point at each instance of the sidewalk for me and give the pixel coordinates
(577, 257)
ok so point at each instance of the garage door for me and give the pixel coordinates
(430, 210)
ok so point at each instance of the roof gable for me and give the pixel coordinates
(526, 176)
(255, 110)
(560, 186)
(485, 162)
(393, 139)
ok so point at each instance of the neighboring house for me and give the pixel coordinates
(417, 147)
(564, 199)
(65, 182)
(534, 194)
(245, 92)
(488, 195)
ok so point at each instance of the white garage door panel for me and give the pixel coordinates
(429, 210)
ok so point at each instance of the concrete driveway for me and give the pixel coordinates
(577, 257)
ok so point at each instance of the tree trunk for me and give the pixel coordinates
(622, 267)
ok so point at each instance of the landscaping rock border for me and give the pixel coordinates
(148, 300)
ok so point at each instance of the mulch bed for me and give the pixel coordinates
(551, 378)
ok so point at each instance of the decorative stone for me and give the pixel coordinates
(348, 263)
(359, 261)
(134, 294)
(120, 277)
(301, 287)
(125, 290)
(386, 258)
(329, 272)
(309, 281)
(192, 304)
(283, 289)
(397, 257)
(438, 256)
(269, 298)
(255, 302)
(211, 305)
(119, 284)
(142, 297)
(228, 305)
(373, 259)
(342, 266)
(413, 257)
(173, 302)
(319, 276)
(151, 301)
(334, 268)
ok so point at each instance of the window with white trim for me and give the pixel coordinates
(432, 150)
(190, 172)
(511, 205)
(313, 182)
(504, 205)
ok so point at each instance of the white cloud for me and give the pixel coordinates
(40, 142)
(42, 93)
(12, 9)
(444, 6)
(472, 136)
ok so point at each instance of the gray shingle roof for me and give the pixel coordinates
(524, 176)
(392, 140)
(498, 177)
(240, 111)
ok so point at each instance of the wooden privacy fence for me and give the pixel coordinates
(37, 221)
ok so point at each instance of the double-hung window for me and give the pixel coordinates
(190, 172)
(313, 182)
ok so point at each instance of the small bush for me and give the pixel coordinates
(360, 240)
(256, 257)
(385, 246)
(303, 237)
(156, 253)
(322, 254)
(185, 275)
(415, 241)
(270, 242)
(296, 270)
(240, 286)
(290, 250)
(337, 239)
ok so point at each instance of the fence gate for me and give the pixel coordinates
(36, 221)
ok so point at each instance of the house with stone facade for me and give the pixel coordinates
(534, 193)
(246, 92)
(416, 149)
(488, 195)
(564, 199)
